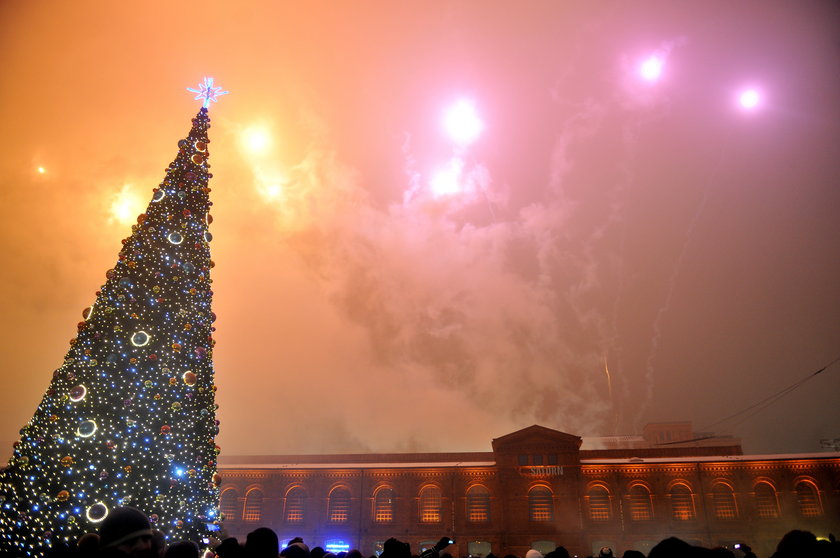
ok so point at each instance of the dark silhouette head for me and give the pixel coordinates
(182, 549)
(296, 550)
(796, 543)
(126, 530)
(671, 547)
(262, 542)
(230, 548)
(87, 544)
(394, 548)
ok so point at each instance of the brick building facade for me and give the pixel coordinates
(538, 488)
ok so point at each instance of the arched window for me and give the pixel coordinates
(723, 501)
(229, 504)
(295, 505)
(540, 504)
(808, 498)
(339, 505)
(641, 507)
(478, 504)
(383, 505)
(682, 502)
(600, 507)
(253, 505)
(430, 505)
(766, 501)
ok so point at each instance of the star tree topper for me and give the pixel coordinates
(207, 92)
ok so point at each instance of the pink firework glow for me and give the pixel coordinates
(651, 68)
(749, 99)
(462, 123)
(437, 222)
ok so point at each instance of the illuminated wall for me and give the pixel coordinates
(536, 489)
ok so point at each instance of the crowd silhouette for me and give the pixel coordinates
(128, 533)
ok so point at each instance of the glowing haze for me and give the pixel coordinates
(598, 241)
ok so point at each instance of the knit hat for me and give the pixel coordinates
(122, 525)
(532, 553)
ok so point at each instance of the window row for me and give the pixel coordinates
(638, 503)
(430, 505)
(681, 499)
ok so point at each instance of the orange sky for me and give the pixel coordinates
(692, 246)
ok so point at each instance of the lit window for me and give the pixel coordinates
(430, 505)
(600, 508)
(682, 502)
(641, 508)
(253, 505)
(766, 502)
(478, 504)
(540, 504)
(383, 506)
(808, 498)
(295, 499)
(723, 501)
(228, 504)
(339, 506)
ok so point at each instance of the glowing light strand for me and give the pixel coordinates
(207, 92)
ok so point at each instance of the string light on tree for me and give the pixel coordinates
(133, 403)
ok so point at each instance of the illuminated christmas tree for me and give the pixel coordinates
(130, 416)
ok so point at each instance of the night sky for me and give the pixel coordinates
(609, 251)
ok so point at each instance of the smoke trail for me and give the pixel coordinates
(672, 283)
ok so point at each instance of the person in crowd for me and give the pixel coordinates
(262, 543)
(229, 548)
(182, 549)
(796, 544)
(394, 548)
(532, 553)
(87, 545)
(605, 552)
(296, 549)
(126, 531)
(158, 543)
